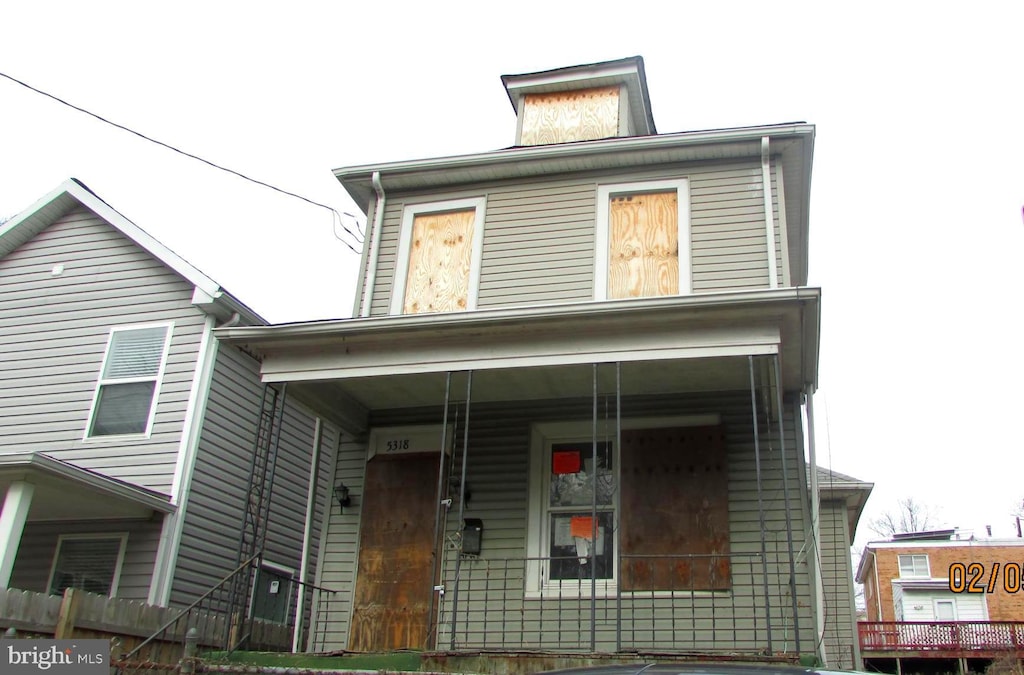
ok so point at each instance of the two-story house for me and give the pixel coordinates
(572, 394)
(934, 598)
(128, 431)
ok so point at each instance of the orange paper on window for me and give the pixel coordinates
(582, 527)
(565, 462)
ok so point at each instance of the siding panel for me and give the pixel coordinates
(545, 229)
(53, 333)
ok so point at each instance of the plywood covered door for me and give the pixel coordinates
(393, 584)
(675, 503)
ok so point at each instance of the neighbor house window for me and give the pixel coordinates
(129, 381)
(439, 251)
(89, 562)
(914, 566)
(642, 240)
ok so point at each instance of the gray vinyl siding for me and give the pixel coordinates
(539, 235)
(837, 581)
(214, 513)
(499, 439)
(53, 333)
(337, 568)
(39, 546)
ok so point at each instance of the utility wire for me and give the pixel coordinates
(337, 216)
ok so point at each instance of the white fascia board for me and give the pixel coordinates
(956, 543)
(516, 316)
(411, 357)
(563, 157)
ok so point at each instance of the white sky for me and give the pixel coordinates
(916, 208)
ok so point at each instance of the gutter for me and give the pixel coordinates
(517, 315)
(366, 296)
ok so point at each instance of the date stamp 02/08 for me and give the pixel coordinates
(975, 577)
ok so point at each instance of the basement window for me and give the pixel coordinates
(439, 251)
(643, 240)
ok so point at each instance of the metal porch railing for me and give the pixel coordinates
(671, 612)
(938, 636)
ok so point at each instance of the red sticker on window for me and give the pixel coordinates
(565, 462)
(582, 527)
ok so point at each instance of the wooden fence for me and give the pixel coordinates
(126, 622)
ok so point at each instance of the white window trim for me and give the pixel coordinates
(159, 378)
(405, 243)
(927, 565)
(115, 581)
(542, 434)
(601, 238)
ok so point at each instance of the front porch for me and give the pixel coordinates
(603, 478)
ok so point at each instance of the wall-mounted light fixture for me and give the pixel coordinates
(342, 496)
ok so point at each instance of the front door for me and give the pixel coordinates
(393, 584)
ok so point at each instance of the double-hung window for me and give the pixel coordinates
(439, 250)
(129, 381)
(643, 240)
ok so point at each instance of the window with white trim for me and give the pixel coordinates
(642, 240)
(636, 547)
(439, 250)
(129, 381)
(914, 566)
(272, 592)
(89, 562)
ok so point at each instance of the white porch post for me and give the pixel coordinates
(12, 525)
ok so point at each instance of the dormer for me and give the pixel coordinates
(581, 103)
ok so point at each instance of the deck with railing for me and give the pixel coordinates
(935, 638)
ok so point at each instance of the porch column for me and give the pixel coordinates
(760, 502)
(12, 526)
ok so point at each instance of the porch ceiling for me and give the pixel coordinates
(535, 383)
(671, 344)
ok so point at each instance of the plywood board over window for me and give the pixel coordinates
(439, 258)
(675, 510)
(643, 255)
(563, 117)
(643, 240)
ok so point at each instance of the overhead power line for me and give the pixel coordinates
(337, 216)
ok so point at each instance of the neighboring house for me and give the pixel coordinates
(572, 394)
(127, 431)
(956, 602)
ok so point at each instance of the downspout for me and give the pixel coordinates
(769, 217)
(307, 537)
(366, 297)
(812, 458)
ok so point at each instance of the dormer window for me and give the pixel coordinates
(563, 117)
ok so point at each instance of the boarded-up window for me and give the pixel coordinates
(643, 250)
(674, 523)
(440, 260)
(563, 117)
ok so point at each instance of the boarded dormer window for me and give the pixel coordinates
(438, 265)
(643, 240)
(566, 116)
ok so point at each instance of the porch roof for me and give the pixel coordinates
(685, 343)
(64, 491)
